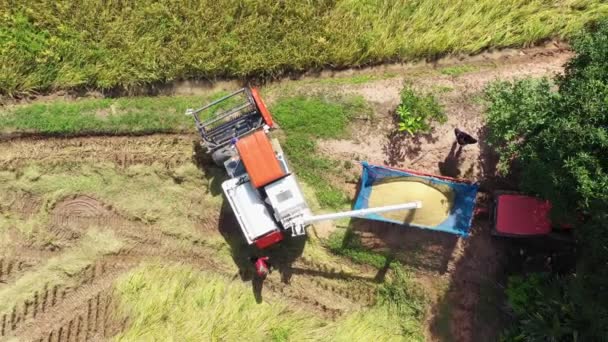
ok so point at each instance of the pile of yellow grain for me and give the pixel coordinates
(437, 200)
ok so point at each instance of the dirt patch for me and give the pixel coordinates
(427, 251)
(13, 268)
(74, 216)
(377, 142)
(476, 264)
(60, 313)
(79, 207)
(323, 229)
(168, 149)
(103, 113)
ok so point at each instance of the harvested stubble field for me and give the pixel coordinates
(127, 237)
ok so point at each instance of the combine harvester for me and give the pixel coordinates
(262, 190)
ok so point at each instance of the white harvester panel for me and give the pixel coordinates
(253, 216)
(288, 202)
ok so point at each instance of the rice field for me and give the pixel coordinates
(82, 44)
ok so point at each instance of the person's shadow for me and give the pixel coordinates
(282, 256)
(449, 167)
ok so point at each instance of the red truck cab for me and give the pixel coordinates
(518, 215)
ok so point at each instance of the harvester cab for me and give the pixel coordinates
(262, 190)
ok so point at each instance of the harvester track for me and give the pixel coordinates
(12, 268)
(48, 310)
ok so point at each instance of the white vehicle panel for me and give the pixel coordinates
(253, 216)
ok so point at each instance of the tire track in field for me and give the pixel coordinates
(169, 149)
(72, 314)
(13, 268)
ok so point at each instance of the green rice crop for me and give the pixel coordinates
(46, 45)
(128, 115)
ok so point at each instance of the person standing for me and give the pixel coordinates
(262, 266)
(463, 138)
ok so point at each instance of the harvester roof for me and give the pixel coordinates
(259, 159)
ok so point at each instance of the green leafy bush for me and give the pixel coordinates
(417, 112)
(558, 139)
(542, 308)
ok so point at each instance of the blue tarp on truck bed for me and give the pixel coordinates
(460, 214)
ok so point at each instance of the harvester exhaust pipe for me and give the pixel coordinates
(362, 212)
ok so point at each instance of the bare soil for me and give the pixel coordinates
(378, 142)
(87, 310)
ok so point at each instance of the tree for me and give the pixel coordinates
(557, 140)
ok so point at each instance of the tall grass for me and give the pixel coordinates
(50, 45)
(179, 303)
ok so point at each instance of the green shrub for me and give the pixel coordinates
(417, 112)
(542, 308)
(558, 139)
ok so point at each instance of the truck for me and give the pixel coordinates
(516, 215)
(261, 188)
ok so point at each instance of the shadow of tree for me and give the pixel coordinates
(491, 179)
(470, 309)
(474, 306)
(401, 146)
